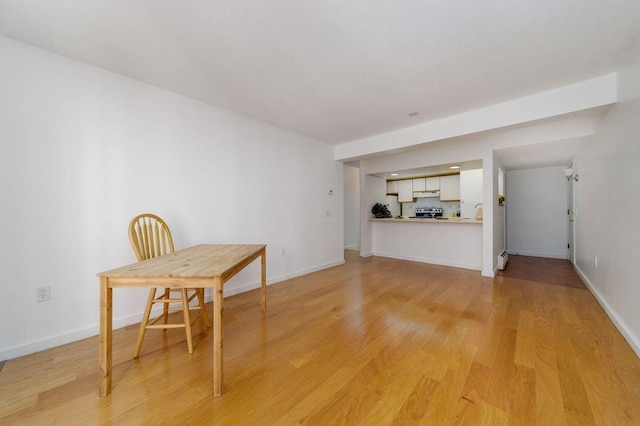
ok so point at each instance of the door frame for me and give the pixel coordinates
(571, 219)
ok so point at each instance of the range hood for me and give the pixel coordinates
(426, 194)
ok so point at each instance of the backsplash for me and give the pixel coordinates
(409, 209)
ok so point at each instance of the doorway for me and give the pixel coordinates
(536, 202)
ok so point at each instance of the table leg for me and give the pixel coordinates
(264, 279)
(217, 336)
(106, 315)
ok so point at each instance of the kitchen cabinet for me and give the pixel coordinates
(450, 188)
(470, 192)
(419, 185)
(432, 183)
(405, 191)
(392, 187)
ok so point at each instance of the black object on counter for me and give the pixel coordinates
(380, 210)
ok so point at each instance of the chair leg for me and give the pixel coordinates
(203, 307)
(187, 319)
(145, 321)
(165, 309)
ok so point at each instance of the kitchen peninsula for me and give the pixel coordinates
(435, 219)
(451, 242)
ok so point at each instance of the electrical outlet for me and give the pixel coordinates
(43, 294)
(595, 260)
(283, 252)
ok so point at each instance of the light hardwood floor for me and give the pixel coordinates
(375, 341)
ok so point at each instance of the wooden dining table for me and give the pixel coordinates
(201, 266)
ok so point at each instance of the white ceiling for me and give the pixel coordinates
(439, 170)
(337, 70)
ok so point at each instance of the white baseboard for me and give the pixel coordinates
(620, 324)
(431, 261)
(353, 247)
(94, 329)
(495, 271)
(51, 342)
(538, 254)
(252, 286)
(69, 337)
(285, 277)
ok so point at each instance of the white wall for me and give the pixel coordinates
(498, 216)
(607, 198)
(351, 207)
(373, 190)
(84, 150)
(536, 209)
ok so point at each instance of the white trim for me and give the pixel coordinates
(431, 261)
(51, 342)
(622, 326)
(562, 256)
(285, 277)
(495, 271)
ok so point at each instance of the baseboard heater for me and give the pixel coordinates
(502, 260)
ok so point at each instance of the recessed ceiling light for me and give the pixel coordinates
(413, 114)
(394, 174)
(457, 166)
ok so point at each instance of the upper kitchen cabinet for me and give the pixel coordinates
(470, 192)
(392, 187)
(405, 191)
(449, 188)
(432, 183)
(419, 185)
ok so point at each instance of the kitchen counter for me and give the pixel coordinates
(452, 242)
(455, 220)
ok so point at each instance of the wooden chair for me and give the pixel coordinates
(150, 237)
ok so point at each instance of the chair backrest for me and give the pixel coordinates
(149, 236)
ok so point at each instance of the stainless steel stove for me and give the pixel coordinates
(428, 212)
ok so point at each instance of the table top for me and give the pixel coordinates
(201, 261)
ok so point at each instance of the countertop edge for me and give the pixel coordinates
(406, 220)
